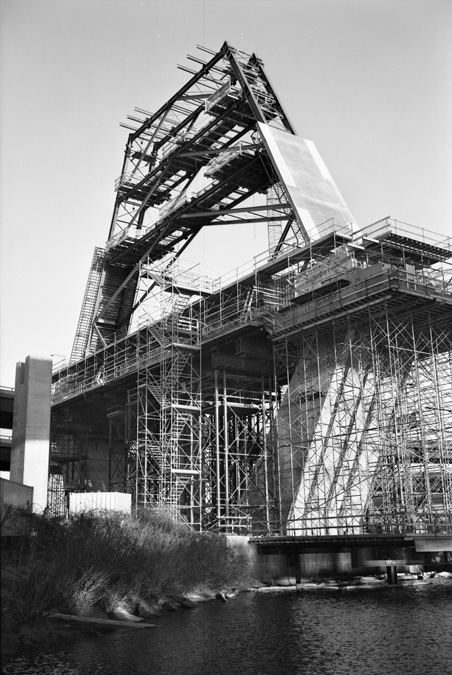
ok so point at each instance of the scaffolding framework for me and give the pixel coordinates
(362, 432)
(66, 470)
(313, 394)
(308, 392)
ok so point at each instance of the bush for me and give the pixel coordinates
(111, 559)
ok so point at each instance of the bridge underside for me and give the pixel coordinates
(295, 559)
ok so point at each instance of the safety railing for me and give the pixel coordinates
(363, 524)
(359, 290)
(128, 179)
(387, 226)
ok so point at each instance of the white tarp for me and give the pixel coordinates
(100, 501)
(308, 184)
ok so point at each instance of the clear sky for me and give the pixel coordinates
(369, 81)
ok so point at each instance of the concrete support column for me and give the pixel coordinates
(297, 568)
(30, 447)
(391, 574)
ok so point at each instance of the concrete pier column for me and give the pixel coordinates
(30, 446)
(391, 574)
(297, 568)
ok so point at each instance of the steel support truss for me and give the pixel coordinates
(198, 161)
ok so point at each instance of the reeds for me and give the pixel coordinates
(109, 560)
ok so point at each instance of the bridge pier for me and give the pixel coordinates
(391, 574)
(341, 556)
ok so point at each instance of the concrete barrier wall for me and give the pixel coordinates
(13, 494)
(442, 542)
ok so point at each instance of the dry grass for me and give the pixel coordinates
(111, 559)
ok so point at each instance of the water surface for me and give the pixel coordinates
(395, 631)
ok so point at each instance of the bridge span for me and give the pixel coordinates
(350, 555)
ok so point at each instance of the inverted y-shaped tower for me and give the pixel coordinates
(221, 140)
(310, 392)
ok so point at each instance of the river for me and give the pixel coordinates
(390, 631)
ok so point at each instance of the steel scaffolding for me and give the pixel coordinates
(66, 470)
(314, 395)
(199, 160)
(238, 420)
(310, 391)
(363, 440)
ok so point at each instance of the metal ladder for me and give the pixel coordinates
(88, 306)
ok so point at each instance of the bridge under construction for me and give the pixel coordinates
(309, 392)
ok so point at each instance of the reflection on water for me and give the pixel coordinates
(363, 632)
